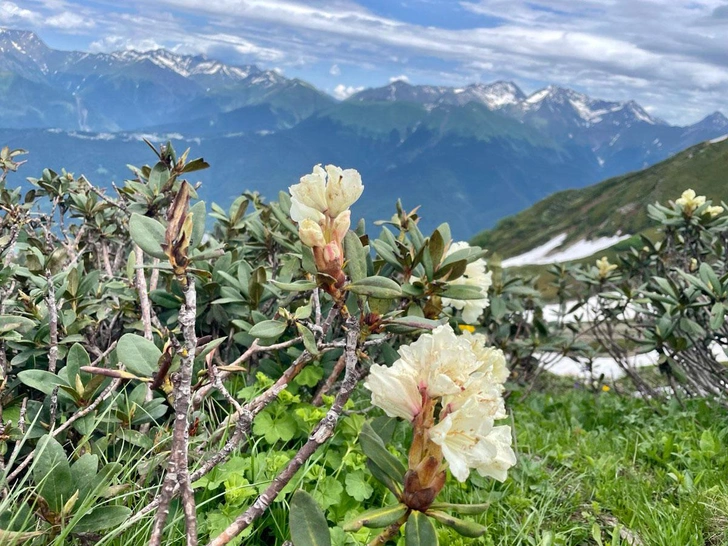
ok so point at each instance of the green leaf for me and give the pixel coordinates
(298, 286)
(376, 287)
(468, 529)
(158, 177)
(464, 509)
(148, 234)
(717, 316)
(419, 531)
(708, 276)
(408, 324)
(463, 292)
(376, 518)
(195, 165)
(268, 329)
(10, 323)
(307, 522)
(139, 355)
(76, 358)
(41, 380)
(356, 257)
(52, 473)
(102, 517)
(374, 448)
(309, 340)
(357, 486)
(83, 472)
(199, 217)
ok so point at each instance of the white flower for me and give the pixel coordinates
(469, 441)
(324, 194)
(497, 467)
(394, 389)
(344, 187)
(493, 361)
(714, 211)
(475, 275)
(441, 361)
(690, 201)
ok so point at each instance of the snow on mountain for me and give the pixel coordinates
(590, 111)
(188, 65)
(494, 95)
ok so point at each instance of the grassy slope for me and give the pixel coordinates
(616, 204)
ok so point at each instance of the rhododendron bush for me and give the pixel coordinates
(163, 382)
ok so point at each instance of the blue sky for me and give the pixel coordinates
(669, 55)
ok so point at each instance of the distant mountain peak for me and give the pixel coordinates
(187, 65)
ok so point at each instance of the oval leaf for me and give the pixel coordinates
(268, 329)
(376, 287)
(139, 355)
(307, 522)
(148, 234)
(419, 531)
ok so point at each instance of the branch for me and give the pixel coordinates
(320, 434)
(178, 472)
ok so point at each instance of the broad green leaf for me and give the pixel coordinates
(463, 292)
(464, 509)
(356, 259)
(52, 473)
(102, 517)
(268, 329)
(717, 316)
(139, 355)
(41, 380)
(404, 325)
(419, 531)
(376, 287)
(468, 529)
(83, 472)
(376, 518)
(357, 486)
(309, 341)
(148, 234)
(374, 448)
(297, 286)
(10, 323)
(76, 358)
(198, 212)
(307, 521)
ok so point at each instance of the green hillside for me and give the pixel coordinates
(617, 204)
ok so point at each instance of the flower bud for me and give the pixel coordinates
(341, 226)
(311, 234)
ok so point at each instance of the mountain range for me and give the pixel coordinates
(468, 155)
(613, 208)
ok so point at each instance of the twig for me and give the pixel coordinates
(320, 434)
(178, 473)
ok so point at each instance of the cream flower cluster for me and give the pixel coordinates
(690, 201)
(475, 275)
(604, 267)
(320, 206)
(464, 380)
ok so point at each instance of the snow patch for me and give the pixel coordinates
(566, 366)
(542, 255)
(718, 139)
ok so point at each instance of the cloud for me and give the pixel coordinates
(669, 56)
(342, 91)
(400, 78)
(69, 21)
(11, 13)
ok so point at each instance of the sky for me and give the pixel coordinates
(671, 56)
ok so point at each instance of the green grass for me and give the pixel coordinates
(617, 204)
(593, 468)
(592, 464)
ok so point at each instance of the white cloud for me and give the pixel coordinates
(11, 13)
(335, 70)
(400, 78)
(342, 91)
(69, 21)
